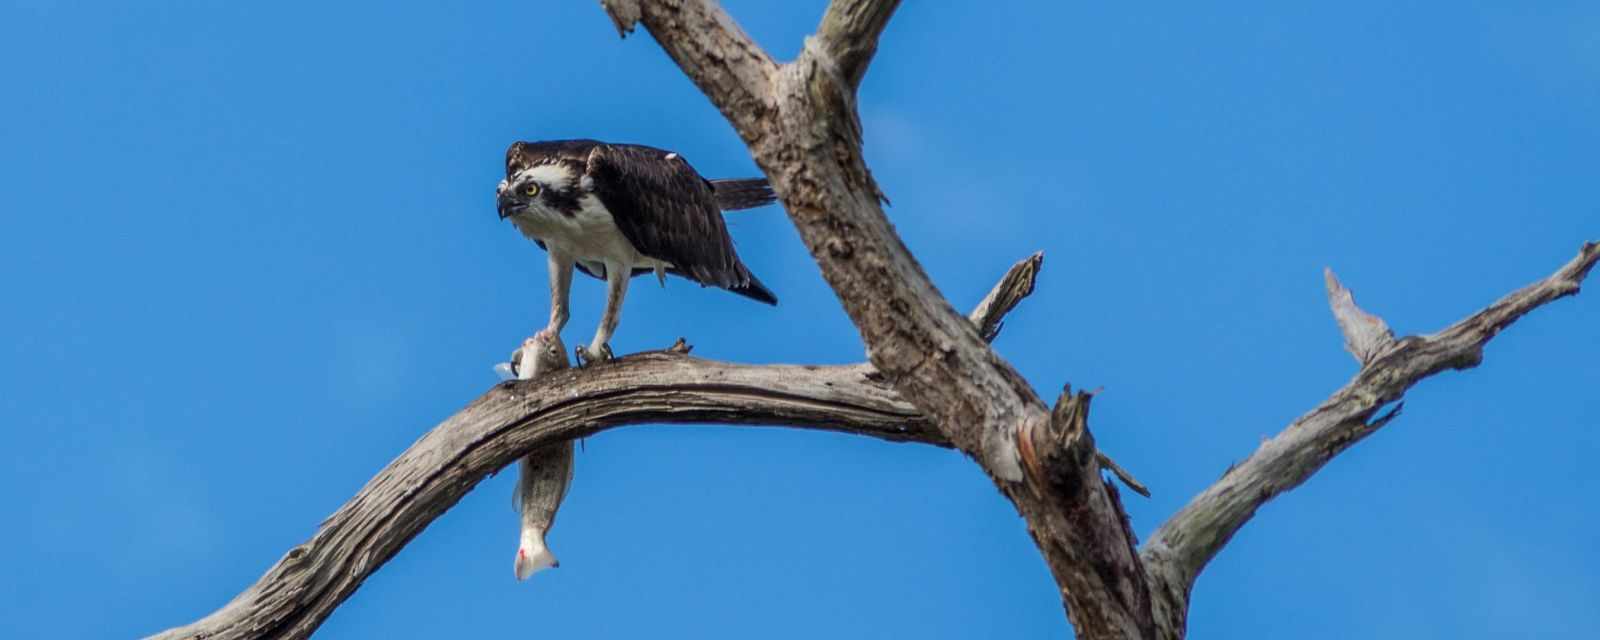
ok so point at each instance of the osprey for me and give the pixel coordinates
(615, 211)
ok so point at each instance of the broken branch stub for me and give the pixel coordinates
(1365, 335)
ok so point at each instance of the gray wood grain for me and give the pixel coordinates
(932, 376)
(1183, 545)
(514, 418)
(548, 408)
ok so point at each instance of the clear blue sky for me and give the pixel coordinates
(250, 254)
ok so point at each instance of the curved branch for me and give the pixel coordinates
(293, 598)
(299, 592)
(1183, 545)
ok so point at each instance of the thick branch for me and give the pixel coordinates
(1180, 549)
(1076, 518)
(297, 593)
(808, 142)
(803, 130)
(558, 404)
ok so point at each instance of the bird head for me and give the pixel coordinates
(546, 187)
(514, 197)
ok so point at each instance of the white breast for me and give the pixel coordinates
(590, 235)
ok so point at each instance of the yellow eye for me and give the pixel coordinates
(530, 190)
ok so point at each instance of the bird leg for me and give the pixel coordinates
(617, 276)
(560, 294)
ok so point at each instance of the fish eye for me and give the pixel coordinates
(530, 190)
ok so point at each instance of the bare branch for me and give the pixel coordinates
(1013, 287)
(1365, 335)
(514, 418)
(1183, 545)
(550, 405)
(802, 129)
(1122, 474)
(808, 142)
(849, 35)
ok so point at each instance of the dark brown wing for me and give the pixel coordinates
(670, 213)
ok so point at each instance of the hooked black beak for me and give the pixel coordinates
(507, 206)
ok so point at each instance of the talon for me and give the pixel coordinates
(592, 357)
(587, 357)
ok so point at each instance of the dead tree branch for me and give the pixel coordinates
(1183, 545)
(299, 592)
(800, 123)
(932, 377)
(293, 598)
(802, 127)
(1013, 287)
(1365, 335)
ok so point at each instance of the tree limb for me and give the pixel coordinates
(803, 131)
(849, 35)
(1077, 519)
(1183, 545)
(299, 592)
(807, 139)
(293, 598)
(1013, 287)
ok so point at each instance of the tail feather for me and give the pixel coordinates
(742, 193)
(754, 290)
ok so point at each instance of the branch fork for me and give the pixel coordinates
(946, 385)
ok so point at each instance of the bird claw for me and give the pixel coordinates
(585, 358)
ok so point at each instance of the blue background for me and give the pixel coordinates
(250, 254)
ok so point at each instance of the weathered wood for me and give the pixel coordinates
(932, 376)
(1183, 545)
(801, 125)
(849, 35)
(1365, 335)
(1013, 287)
(513, 418)
(553, 404)
(1077, 519)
